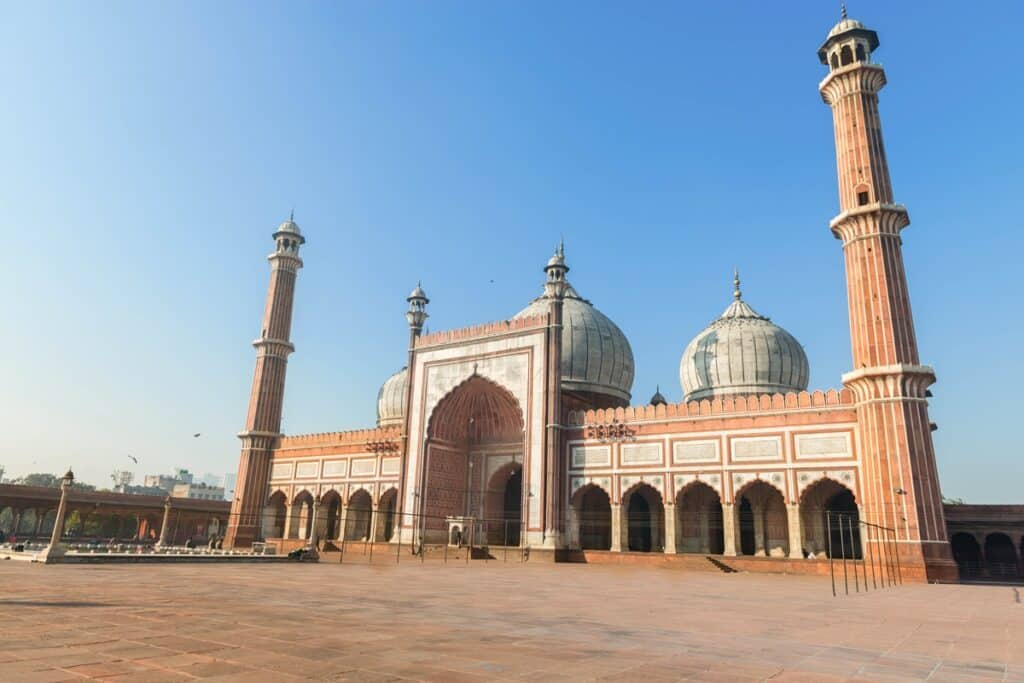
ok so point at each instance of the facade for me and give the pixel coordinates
(520, 432)
(198, 490)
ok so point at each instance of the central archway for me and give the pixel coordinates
(473, 465)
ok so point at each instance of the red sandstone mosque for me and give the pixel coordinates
(522, 432)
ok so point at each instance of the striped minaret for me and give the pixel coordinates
(263, 422)
(900, 485)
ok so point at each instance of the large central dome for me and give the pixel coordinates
(742, 352)
(596, 357)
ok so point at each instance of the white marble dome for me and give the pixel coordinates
(391, 399)
(742, 353)
(596, 356)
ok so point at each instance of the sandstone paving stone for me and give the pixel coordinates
(527, 622)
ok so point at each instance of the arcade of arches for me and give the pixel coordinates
(759, 522)
(329, 519)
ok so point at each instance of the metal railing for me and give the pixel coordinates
(863, 551)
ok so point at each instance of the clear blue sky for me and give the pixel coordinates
(151, 148)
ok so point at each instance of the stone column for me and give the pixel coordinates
(342, 521)
(616, 528)
(670, 529)
(40, 518)
(373, 523)
(314, 523)
(163, 540)
(729, 529)
(795, 536)
(572, 528)
(55, 550)
(704, 526)
(287, 531)
(759, 541)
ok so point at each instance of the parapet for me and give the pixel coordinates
(484, 330)
(727, 405)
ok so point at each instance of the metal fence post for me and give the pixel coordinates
(853, 552)
(842, 549)
(828, 537)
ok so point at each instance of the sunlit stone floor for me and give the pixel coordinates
(487, 622)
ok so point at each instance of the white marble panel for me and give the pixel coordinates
(591, 456)
(281, 470)
(685, 452)
(335, 468)
(388, 466)
(307, 470)
(757, 448)
(813, 446)
(641, 454)
(364, 467)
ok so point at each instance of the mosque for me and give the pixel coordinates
(522, 432)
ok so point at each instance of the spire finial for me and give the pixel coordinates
(561, 246)
(736, 293)
(842, 9)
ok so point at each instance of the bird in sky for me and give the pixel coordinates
(196, 435)
(134, 459)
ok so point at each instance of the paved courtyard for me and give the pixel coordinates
(457, 623)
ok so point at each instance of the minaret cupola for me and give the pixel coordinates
(288, 237)
(848, 42)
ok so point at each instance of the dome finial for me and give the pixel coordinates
(736, 293)
(842, 9)
(291, 216)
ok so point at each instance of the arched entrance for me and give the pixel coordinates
(830, 518)
(330, 511)
(593, 510)
(763, 524)
(645, 519)
(475, 432)
(967, 554)
(386, 515)
(358, 516)
(1001, 556)
(504, 508)
(302, 515)
(699, 515)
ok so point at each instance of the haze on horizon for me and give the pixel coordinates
(152, 150)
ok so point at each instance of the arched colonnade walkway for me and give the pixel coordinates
(758, 522)
(329, 518)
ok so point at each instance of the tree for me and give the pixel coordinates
(50, 481)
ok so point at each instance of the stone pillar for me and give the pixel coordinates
(17, 522)
(373, 523)
(342, 521)
(287, 531)
(314, 523)
(729, 529)
(795, 536)
(670, 529)
(616, 528)
(163, 540)
(759, 540)
(55, 550)
(704, 526)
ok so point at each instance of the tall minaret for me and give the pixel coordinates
(555, 287)
(263, 423)
(900, 486)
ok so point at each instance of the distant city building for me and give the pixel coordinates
(210, 479)
(198, 490)
(229, 485)
(167, 482)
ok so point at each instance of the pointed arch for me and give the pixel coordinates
(591, 507)
(699, 527)
(763, 521)
(477, 409)
(643, 510)
(829, 518)
(358, 515)
(387, 505)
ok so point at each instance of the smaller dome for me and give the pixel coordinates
(845, 24)
(289, 226)
(391, 399)
(658, 399)
(742, 353)
(417, 293)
